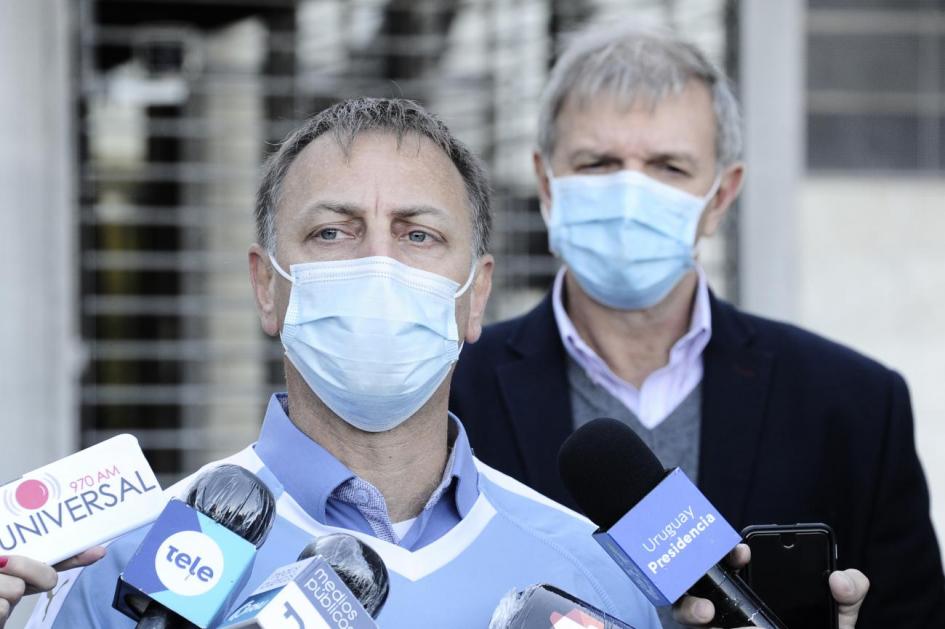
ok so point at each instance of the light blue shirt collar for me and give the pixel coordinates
(311, 474)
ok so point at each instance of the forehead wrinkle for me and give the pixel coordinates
(417, 147)
(336, 207)
(577, 107)
(622, 84)
(354, 210)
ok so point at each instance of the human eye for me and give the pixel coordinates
(418, 236)
(672, 169)
(331, 234)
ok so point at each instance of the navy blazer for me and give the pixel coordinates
(795, 428)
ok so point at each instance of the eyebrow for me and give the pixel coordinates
(412, 211)
(673, 157)
(353, 210)
(656, 157)
(585, 153)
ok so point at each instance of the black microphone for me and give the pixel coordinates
(337, 582)
(610, 472)
(538, 605)
(357, 564)
(236, 498)
(229, 496)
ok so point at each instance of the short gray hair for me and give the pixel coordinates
(347, 119)
(631, 63)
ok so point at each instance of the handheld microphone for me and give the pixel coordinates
(198, 554)
(545, 606)
(655, 524)
(338, 582)
(358, 565)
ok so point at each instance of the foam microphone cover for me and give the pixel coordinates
(357, 564)
(237, 499)
(607, 469)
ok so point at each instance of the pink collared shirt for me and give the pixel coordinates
(664, 389)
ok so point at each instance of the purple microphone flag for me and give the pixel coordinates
(669, 539)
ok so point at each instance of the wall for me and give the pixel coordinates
(871, 274)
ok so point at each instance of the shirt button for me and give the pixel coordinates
(361, 496)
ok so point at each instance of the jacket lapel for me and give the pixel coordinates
(535, 392)
(735, 387)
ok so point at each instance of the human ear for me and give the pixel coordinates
(544, 184)
(263, 278)
(479, 297)
(730, 184)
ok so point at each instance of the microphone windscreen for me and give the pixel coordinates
(237, 499)
(545, 607)
(509, 607)
(607, 469)
(357, 564)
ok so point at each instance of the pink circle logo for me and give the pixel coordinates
(32, 494)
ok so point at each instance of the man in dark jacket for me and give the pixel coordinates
(637, 160)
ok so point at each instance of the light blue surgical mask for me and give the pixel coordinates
(372, 337)
(627, 238)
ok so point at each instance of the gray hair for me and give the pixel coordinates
(347, 119)
(631, 64)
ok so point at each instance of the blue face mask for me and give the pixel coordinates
(372, 337)
(627, 238)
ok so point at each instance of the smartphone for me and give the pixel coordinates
(789, 568)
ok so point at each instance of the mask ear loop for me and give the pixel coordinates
(469, 280)
(714, 189)
(696, 249)
(279, 269)
(546, 211)
(459, 293)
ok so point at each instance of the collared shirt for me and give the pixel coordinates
(332, 494)
(664, 389)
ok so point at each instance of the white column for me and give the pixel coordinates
(234, 57)
(772, 54)
(39, 371)
(38, 313)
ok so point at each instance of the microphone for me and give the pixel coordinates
(338, 582)
(79, 501)
(198, 554)
(655, 524)
(358, 565)
(545, 606)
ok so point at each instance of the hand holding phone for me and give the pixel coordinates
(789, 569)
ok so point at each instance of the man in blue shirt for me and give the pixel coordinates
(372, 266)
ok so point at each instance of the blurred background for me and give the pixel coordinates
(131, 132)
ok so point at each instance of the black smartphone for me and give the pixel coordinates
(789, 568)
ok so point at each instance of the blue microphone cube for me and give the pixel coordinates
(669, 540)
(188, 563)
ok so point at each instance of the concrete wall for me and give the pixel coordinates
(772, 94)
(39, 344)
(858, 259)
(870, 271)
(38, 325)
